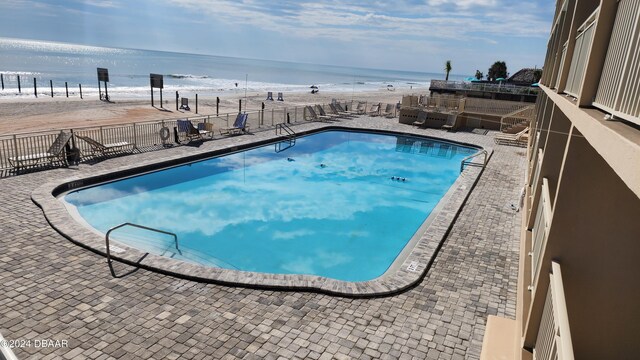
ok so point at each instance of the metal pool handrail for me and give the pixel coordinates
(466, 161)
(106, 239)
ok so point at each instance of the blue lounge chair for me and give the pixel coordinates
(239, 126)
(186, 128)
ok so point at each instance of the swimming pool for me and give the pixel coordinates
(337, 204)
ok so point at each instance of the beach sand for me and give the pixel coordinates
(45, 113)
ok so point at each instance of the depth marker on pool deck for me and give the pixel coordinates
(413, 266)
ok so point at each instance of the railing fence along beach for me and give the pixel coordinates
(144, 136)
(6, 80)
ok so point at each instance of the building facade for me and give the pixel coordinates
(579, 274)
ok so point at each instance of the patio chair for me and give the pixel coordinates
(310, 113)
(323, 114)
(186, 128)
(388, 111)
(269, 96)
(239, 126)
(375, 110)
(280, 97)
(451, 123)
(55, 152)
(336, 111)
(422, 119)
(184, 104)
(517, 139)
(106, 149)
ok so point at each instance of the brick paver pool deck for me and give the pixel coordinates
(53, 289)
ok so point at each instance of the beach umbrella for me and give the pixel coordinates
(470, 78)
(500, 79)
(475, 80)
(535, 84)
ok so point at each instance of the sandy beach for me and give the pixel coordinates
(45, 113)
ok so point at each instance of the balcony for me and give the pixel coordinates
(540, 231)
(581, 52)
(618, 92)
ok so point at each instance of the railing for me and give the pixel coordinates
(537, 163)
(108, 247)
(618, 91)
(142, 135)
(504, 88)
(553, 341)
(517, 117)
(468, 160)
(289, 133)
(540, 231)
(492, 107)
(580, 56)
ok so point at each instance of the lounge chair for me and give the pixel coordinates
(106, 149)
(190, 132)
(450, 125)
(323, 114)
(239, 126)
(280, 97)
(310, 113)
(360, 109)
(269, 96)
(343, 111)
(55, 152)
(388, 111)
(375, 110)
(422, 119)
(517, 139)
(337, 112)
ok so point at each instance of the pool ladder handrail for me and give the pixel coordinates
(467, 160)
(289, 133)
(107, 244)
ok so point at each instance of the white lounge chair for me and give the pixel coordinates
(106, 149)
(54, 153)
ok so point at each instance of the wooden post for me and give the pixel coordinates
(19, 87)
(51, 84)
(80, 86)
(152, 96)
(2, 81)
(66, 87)
(196, 103)
(35, 88)
(160, 97)
(106, 92)
(217, 104)
(240, 105)
(177, 96)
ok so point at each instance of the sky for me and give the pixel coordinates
(385, 34)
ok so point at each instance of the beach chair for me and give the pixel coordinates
(184, 104)
(107, 149)
(54, 153)
(388, 111)
(186, 128)
(450, 125)
(517, 139)
(280, 97)
(360, 108)
(375, 109)
(324, 115)
(310, 113)
(422, 119)
(340, 109)
(239, 126)
(269, 96)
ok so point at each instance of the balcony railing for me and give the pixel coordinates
(540, 231)
(554, 334)
(580, 55)
(618, 91)
(537, 168)
(504, 88)
(520, 117)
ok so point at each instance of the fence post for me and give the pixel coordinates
(80, 85)
(101, 135)
(2, 81)
(66, 87)
(35, 88)
(51, 84)
(284, 115)
(19, 87)
(227, 120)
(295, 114)
(196, 103)
(15, 146)
(272, 116)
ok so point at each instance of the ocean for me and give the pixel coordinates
(207, 75)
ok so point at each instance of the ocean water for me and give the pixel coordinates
(129, 71)
(330, 205)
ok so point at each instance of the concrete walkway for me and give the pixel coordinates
(55, 290)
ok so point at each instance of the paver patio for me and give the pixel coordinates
(54, 289)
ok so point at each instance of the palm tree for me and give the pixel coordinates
(447, 68)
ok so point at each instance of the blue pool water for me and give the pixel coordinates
(327, 206)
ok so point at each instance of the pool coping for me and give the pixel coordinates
(411, 271)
